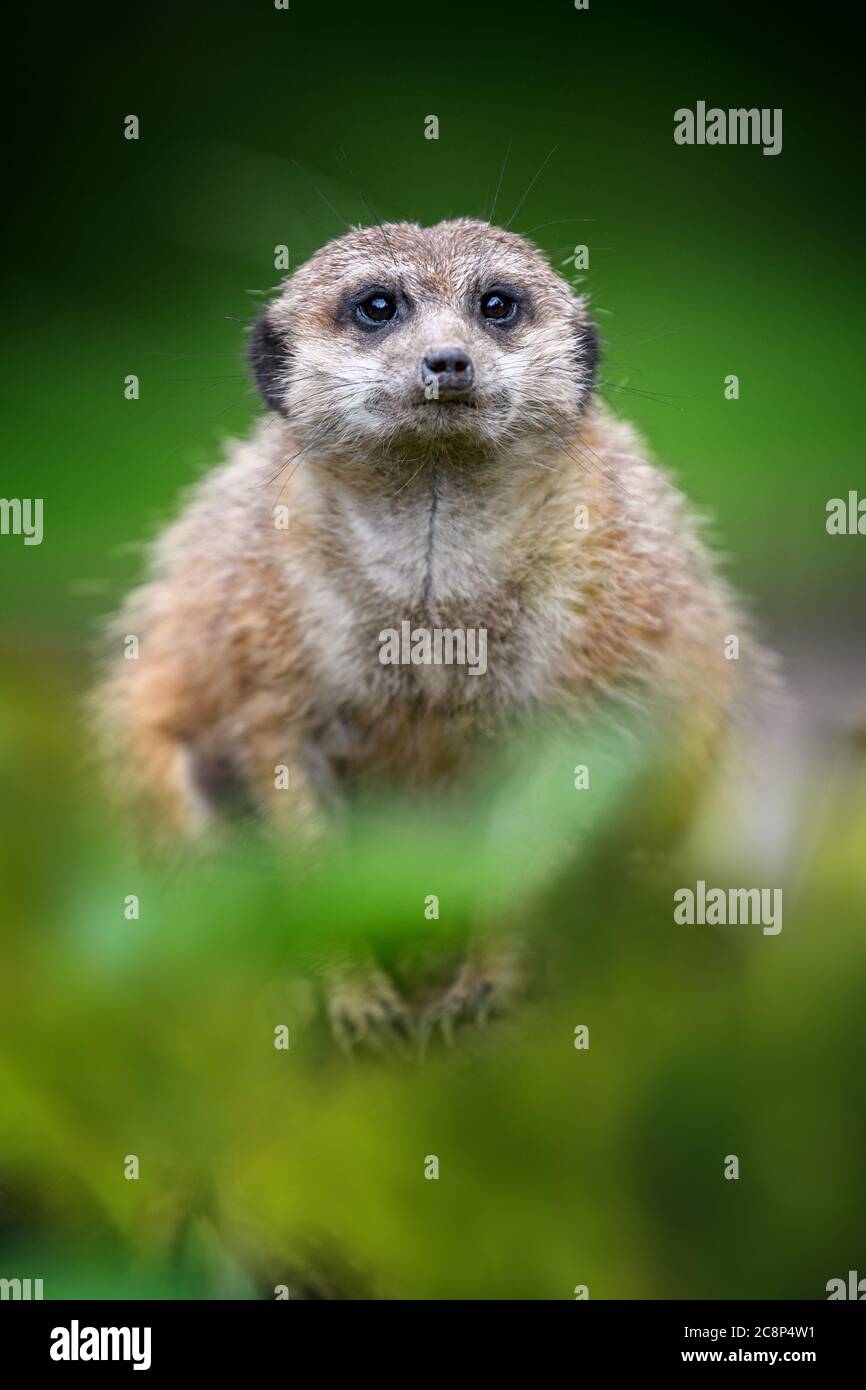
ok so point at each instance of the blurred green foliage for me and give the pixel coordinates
(604, 1166)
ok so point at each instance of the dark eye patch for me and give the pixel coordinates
(498, 307)
(379, 307)
(588, 348)
(374, 308)
(269, 356)
(501, 305)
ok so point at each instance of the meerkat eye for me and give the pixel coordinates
(499, 306)
(378, 307)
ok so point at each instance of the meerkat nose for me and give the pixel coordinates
(449, 367)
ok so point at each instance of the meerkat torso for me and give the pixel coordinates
(434, 460)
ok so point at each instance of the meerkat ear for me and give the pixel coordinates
(588, 352)
(269, 357)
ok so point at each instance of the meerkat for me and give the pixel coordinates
(435, 453)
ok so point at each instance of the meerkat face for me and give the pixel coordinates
(401, 336)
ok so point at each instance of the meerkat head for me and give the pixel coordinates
(457, 337)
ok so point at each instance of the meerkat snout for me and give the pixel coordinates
(450, 370)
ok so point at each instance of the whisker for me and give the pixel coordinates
(482, 258)
(237, 376)
(410, 480)
(287, 462)
(558, 222)
(298, 455)
(231, 406)
(367, 205)
(654, 337)
(498, 185)
(610, 402)
(325, 200)
(648, 395)
(606, 472)
(177, 356)
(532, 184)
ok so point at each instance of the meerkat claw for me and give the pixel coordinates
(473, 1000)
(367, 1014)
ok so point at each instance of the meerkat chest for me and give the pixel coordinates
(425, 626)
(473, 655)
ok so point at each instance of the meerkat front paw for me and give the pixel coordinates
(366, 1013)
(483, 990)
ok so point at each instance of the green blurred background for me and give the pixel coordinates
(150, 257)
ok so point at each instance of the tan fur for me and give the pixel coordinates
(260, 644)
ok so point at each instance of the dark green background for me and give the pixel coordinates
(142, 257)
